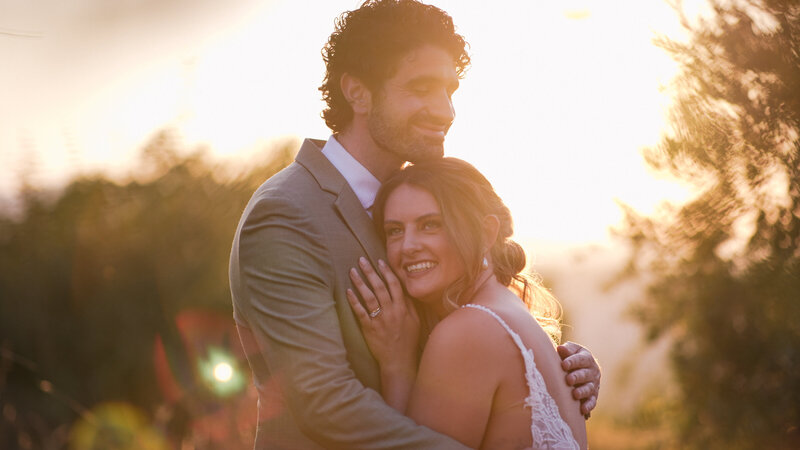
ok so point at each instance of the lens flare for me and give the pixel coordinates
(223, 372)
(219, 370)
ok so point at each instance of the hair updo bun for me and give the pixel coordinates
(509, 261)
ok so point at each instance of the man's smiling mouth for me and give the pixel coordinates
(434, 131)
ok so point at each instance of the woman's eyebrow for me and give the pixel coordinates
(428, 216)
(422, 217)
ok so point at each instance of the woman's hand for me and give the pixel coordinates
(391, 328)
(389, 321)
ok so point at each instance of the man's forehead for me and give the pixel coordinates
(426, 52)
(427, 61)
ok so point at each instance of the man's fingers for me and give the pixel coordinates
(568, 349)
(581, 359)
(581, 376)
(588, 405)
(583, 392)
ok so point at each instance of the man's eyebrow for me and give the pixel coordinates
(425, 79)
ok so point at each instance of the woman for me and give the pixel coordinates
(489, 375)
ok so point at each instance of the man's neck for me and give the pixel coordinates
(369, 154)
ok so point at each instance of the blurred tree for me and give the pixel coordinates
(89, 276)
(725, 266)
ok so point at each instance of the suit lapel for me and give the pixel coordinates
(360, 224)
(347, 204)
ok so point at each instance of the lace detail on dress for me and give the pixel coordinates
(548, 429)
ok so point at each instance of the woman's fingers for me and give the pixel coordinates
(389, 324)
(382, 292)
(396, 289)
(370, 301)
(358, 309)
(393, 284)
(378, 286)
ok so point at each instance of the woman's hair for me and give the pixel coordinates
(465, 198)
(369, 42)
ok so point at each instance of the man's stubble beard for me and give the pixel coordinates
(399, 139)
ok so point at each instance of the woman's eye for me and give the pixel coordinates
(431, 225)
(392, 231)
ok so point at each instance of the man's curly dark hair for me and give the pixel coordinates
(369, 41)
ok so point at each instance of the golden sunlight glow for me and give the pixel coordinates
(223, 372)
(561, 97)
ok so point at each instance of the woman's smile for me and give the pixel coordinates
(419, 267)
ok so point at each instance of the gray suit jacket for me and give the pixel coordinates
(318, 384)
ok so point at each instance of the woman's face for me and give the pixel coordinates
(418, 246)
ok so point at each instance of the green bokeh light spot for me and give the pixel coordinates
(224, 388)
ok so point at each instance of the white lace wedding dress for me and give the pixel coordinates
(548, 429)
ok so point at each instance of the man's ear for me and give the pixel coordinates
(491, 226)
(356, 93)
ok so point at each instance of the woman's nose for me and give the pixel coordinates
(411, 243)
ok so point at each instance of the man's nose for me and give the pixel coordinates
(441, 107)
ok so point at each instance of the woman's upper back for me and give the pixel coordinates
(547, 428)
(474, 377)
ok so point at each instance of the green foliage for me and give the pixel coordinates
(89, 276)
(725, 267)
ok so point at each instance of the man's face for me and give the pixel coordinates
(413, 110)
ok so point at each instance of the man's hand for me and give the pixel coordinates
(583, 374)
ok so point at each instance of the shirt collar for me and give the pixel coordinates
(363, 183)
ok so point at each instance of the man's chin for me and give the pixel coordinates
(426, 152)
(417, 149)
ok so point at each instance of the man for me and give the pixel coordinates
(392, 67)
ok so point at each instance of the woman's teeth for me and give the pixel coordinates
(418, 267)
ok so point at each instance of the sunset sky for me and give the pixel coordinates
(560, 100)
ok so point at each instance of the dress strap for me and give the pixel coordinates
(548, 429)
(514, 335)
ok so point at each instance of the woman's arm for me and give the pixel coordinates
(391, 328)
(457, 380)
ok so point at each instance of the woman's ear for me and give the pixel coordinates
(356, 93)
(491, 226)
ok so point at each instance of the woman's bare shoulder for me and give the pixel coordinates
(470, 331)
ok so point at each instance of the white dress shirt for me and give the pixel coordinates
(363, 183)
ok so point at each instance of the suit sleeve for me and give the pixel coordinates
(287, 278)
